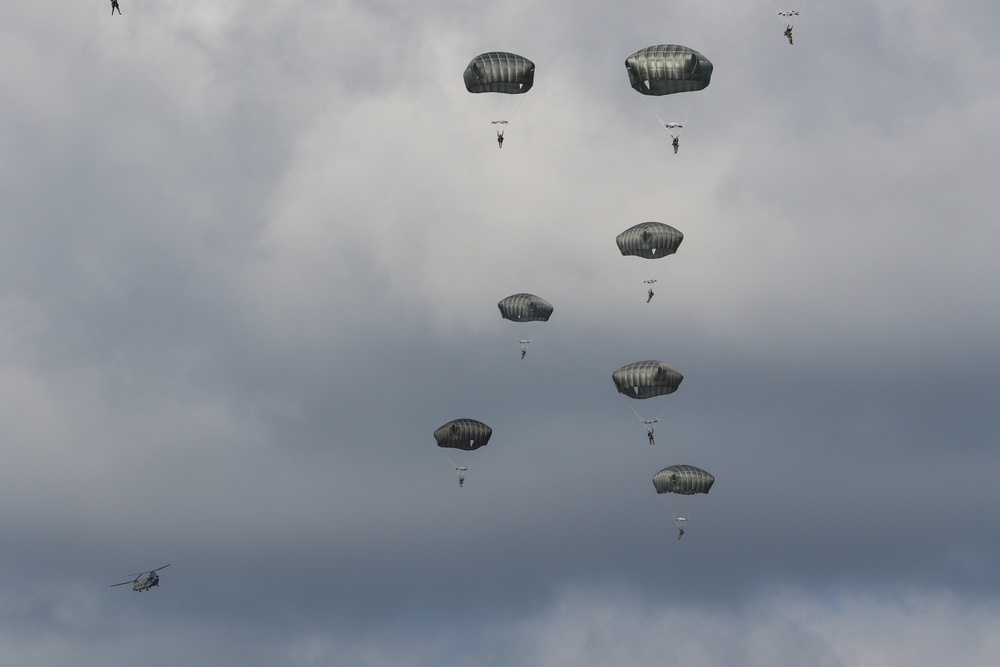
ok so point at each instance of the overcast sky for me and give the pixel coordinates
(250, 256)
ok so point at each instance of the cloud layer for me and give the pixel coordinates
(250, 260)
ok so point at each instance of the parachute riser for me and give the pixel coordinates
(647, 274)
(500, 108)
(678, 121)
(523, 333)
(458, 463)
(648, 423)
(679, 506)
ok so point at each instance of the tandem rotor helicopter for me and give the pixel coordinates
(143, 583)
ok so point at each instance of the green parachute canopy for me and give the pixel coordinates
(649, 240)
(667, 69)
(464, 434)
(499, 72)
(525, 308)
(646, 379)
(683, 479)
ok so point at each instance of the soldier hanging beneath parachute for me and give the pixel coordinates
(684, 481)
(525, 308)
(459, 437)
(662, 74)
(500, 80)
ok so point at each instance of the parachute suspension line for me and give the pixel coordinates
(690, 109)
(643, 419)
(645, 272)
(672, 125)
(650, 424)
(681, 512)
(652, 111)
(457, 467)
(501, 108)
(519, 338)
(680, 523)
(520, 98)
(678, 511)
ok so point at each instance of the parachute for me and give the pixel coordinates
(499, 72)
(646, 379)
(788, 15)
(522, 308)
(682, 480)
(498, 79)
(649, 240)
(525, 308)
(664, 70)
(465, 434)
(667, 69)
(462, 435)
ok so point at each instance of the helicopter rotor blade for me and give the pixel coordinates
(122, 584)
(160, 568)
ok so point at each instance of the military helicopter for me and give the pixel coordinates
(141, 583)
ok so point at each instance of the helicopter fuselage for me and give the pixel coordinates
(143, 580)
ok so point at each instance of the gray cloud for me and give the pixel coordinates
(251, 260)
